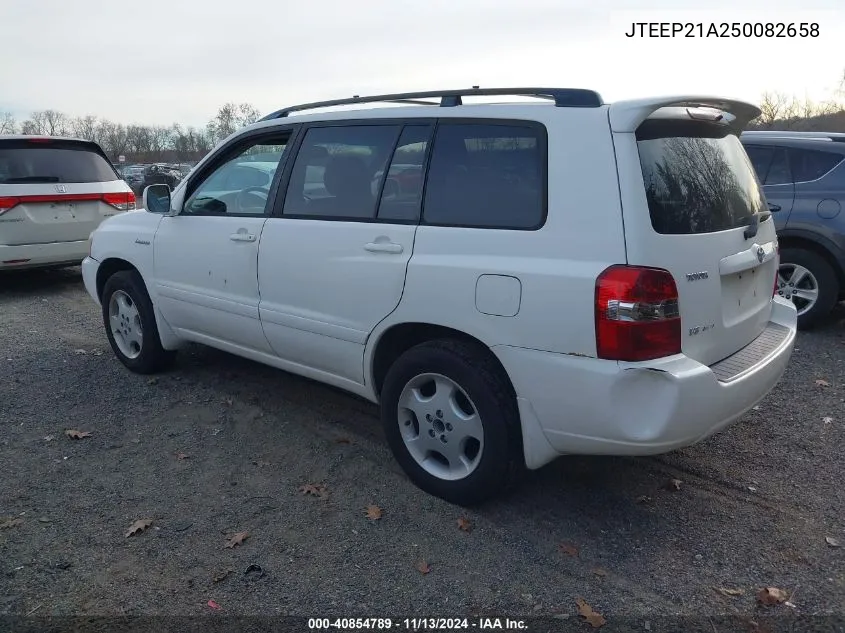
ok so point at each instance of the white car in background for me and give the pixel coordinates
(53, 193)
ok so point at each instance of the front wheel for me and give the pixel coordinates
(129, 319)
(450, 419)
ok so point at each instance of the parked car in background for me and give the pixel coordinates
(540, 280)
(803, 177)
(134, 177)
(53, 193)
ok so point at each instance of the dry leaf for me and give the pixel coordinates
(568, 549)
(48, 438)
(139, 526)
(77, 435)
(343, 440)
(601, 573)
(464, 524)
(593, 618)
(237, 539)
(827, 420)
(9, 522)
(832, 541)
(315, 490)
(221, 576)
(822, 383)
(373, 513)
(771, 595)
(79, 351)
(214, 605)
(423, 567)
(674, 484)
(181, 455)
(729, 592)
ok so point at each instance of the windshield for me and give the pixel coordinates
(697, 177)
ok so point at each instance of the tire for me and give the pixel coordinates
(821, 274)
(480, 387)
(150, 356)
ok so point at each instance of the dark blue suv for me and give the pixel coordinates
(803, 177)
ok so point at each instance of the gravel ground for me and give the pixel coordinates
(753, 508)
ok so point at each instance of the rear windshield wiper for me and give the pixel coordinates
(751, 230)
(23, 179)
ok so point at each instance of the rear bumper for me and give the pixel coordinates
(591, 406)
(89, 277)
(38, 255)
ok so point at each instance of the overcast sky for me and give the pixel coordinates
(160, 61)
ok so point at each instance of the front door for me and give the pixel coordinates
(206, 257)
(332, 265)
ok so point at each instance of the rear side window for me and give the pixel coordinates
(23, 162)
(697, 176)
(770, 163)
(809, 164)
(486, 175)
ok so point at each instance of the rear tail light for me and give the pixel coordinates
(123, 201)
(637, 315)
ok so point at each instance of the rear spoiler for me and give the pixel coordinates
(627, 116)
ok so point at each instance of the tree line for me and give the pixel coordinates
(138, 143)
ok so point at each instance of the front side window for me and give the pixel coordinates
(241, 184)
(486, 175)
(697, 176)
(339, 171)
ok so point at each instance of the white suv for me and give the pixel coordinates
(53, 193)
(510, 282)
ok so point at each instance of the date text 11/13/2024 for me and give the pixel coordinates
(416, 624)
(724, 29)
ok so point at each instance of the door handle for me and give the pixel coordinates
(774, 207)
(384, 247)
(242, 237)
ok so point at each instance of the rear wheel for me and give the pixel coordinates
(130, 324)
(451, 421)
(806, 279)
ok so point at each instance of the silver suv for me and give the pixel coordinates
(803, 177)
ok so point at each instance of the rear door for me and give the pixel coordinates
(56, 190)
(689, 193)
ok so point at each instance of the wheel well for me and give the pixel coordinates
(107, 269)
(400, 338)
(818, 249)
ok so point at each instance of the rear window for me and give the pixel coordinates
(697, 176)
(23, 162)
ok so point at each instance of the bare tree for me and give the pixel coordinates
(86, 127)
(229, 118)
(8, 124)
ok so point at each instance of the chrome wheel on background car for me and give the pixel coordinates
(799, 285)
(440, 426)
(126, 326)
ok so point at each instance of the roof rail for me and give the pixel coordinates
(563, 97)
(837, 137)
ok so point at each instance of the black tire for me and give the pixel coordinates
(153, 357)
(825, 277)
(501, 461)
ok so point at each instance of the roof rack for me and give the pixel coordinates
(563, 97)
(836, 137)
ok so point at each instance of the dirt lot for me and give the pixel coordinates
(754, 506)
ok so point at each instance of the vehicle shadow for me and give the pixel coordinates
(23, 283)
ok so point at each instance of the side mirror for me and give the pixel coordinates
(157, 199)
